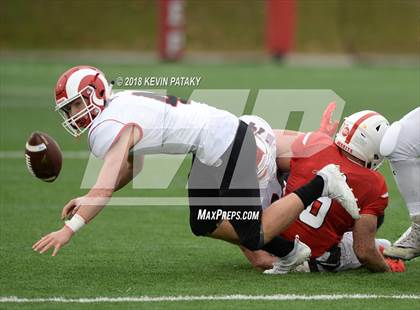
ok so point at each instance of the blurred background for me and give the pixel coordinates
(366, 51)
(349, 27)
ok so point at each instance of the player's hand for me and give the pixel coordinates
(327, 125)
(71, 208)
(56, 239)
(396, 265)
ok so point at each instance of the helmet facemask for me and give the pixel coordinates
(82, 120)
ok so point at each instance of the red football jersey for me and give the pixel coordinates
(323, 224)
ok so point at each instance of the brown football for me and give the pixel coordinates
(43, 156)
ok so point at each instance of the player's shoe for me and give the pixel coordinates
(407, 246)
(303, 267)
(300, 254)
(335, 187)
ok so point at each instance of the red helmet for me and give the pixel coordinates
(88, 84)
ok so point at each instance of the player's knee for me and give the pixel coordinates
(390, 139)
(197, 229)
(199, 224)
(251, 246)
(391, 145)
(252, 241)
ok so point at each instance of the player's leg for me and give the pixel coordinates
(255, 234)
(234, 187)
(407, 175)
(263, 260)
(401, 145)
(238, 183)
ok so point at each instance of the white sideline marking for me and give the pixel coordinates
(21, 154)
(281, 297)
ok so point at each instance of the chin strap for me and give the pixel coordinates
(354, 159)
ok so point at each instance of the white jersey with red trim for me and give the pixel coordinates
(167, 124)
(270, 189)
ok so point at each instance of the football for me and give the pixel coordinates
(43, 157)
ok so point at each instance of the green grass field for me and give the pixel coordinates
(149, 251)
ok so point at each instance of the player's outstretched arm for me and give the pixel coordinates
(364, 232)
(91, 204)
(118, 169)
(284, 142)
(128, 172)
(286, 138)
(328, 126)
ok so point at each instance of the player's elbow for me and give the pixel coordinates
(137, 165)
(363, 257)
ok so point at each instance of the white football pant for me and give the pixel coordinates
(401, 145)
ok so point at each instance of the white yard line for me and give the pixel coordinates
(280, 297)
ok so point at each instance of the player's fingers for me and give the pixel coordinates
(47, 246)
(56, 249)
(326, 115)
(75, 209)
(42, 244)
(36, 244)
(68, 208)
(70, 204)
(330, 108)
(39, 241)
(64, 213)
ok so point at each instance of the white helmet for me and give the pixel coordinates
(360, 135)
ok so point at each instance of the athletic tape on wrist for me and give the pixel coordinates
(76, 223)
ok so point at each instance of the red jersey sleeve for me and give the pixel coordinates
(308, 144)
(377, 199)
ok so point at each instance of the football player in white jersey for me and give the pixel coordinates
(401, 145)
(223, 175)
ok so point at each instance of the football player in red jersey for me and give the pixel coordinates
(322, 225)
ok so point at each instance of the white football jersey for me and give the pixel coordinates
(266, 158)
(167, 128)
(270, 193)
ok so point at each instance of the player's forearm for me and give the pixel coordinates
(126, 176)
(373, 260)
(284, 141)
(129, 172)
(364, 232)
